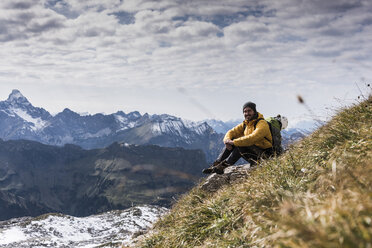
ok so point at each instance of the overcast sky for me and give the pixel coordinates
(195, 59)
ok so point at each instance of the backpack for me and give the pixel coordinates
(275, 126)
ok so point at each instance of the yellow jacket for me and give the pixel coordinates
(250, 136)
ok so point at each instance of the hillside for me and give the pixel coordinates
(318, 194)
(37, 178)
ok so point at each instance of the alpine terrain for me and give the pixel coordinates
(19, 119)
(37, 178)
(113, 228)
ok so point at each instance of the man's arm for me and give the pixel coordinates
(233, 133)
(237, 131)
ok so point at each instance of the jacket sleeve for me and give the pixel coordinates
(237, 131)
(262, 130)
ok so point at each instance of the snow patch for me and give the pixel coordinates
(57, 230)
(156, 129)
(38, 123)
(124, 123)
(189, 124)
(121, 119)
(103, 132)
(68, 139)
(201, 129)
(12, 235)
(170, 126)
(9, 114)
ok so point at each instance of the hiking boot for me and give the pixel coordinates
(208, 170)
(219, 169)
(211, 168)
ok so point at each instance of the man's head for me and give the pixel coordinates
(249, 111)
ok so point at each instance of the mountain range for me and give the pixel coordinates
(19, 119)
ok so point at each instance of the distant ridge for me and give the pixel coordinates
(19, 119)
(36, 178)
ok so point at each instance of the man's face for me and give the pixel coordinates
(248, 114)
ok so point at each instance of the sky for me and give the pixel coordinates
(195, 59)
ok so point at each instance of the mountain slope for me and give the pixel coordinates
(37, 178)
(318, 194)
(58, 230)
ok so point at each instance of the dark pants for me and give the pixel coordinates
(250, 153)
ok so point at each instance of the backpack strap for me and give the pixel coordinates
(255, 124)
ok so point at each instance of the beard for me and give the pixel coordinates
(252, 117)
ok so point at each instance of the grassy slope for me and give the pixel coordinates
(318, 194)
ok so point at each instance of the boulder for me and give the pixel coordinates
(231, 174)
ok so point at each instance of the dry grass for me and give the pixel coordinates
(318, 194)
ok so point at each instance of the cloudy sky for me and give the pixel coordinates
(195, 59)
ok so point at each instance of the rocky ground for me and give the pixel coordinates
(110, 229)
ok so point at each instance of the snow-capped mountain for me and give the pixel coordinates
(114, 228)
(306, 123)
(291, 135)
(19, 119)
(221, 126)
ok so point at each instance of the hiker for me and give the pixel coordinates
(251, 140)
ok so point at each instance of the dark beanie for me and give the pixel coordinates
(250, 105)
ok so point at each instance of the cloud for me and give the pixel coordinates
(124, 17)
(201, 44)
(23, 20)
(20, 5)
(192, 30)
(332, 6)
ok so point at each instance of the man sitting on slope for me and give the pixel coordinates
(251, 140)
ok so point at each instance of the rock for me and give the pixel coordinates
(137, 212)
(215, 181)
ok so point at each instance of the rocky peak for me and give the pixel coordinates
(134, 115)
(69, 112)
(16, 98)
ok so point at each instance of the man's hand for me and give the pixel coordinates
(229, 144)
